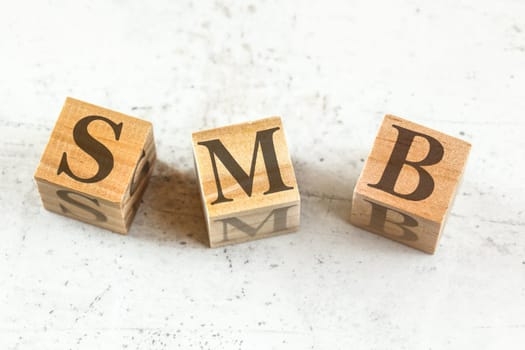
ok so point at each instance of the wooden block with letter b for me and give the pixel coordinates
(408, 183)
(247, 181)
(96, 165)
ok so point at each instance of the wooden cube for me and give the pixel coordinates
(96, 165)
(247, 181)
(408, 182)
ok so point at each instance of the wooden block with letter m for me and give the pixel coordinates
(96, 165)
(247, 181)
(408, 183)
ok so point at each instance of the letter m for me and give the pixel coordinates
(280, 223)
(264, 142)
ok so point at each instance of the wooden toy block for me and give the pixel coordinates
(96, 165)
(247, 181)
(408, 183)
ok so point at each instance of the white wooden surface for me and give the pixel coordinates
(332, 70)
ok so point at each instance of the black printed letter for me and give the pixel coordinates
(263, 138)
(91, 146)
(137, 178)
(279, 223)
(378, 221)
(65, 195)
(398, 158)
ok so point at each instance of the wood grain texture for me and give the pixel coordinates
(109, 202)
(397, 212)
(248, 207)
(332, 70)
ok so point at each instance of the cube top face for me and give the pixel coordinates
(244, 167)
(413, 168)
(94, 150)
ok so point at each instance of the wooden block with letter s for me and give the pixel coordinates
(247, 181)
(408, 183)
(96, 165)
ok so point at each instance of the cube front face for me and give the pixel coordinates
(247, 181)
(395, 224)
(408, 183)
(256, 224)
(96, 165)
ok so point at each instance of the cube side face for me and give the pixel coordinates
(141, 174)
(94, 150)
(395, 224)
(256, 224)
(96, 165)
(413, 168)
(140, 179)
(143, 168)
(244, 171)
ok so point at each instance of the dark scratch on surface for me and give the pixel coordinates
(134, 108)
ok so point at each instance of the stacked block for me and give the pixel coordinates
(96, 165)
(247, 181)
(408, 183)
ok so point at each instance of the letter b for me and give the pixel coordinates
(398, 159)
(408, 183)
